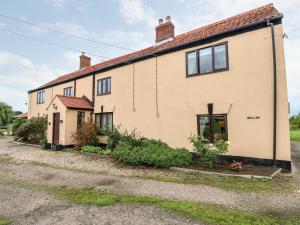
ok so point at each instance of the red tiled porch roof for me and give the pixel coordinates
(22, 115)
(75, 102)
(250, 17)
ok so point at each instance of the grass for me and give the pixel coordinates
(295, 135)
(207, 213)
(277, 184)
(5, 221)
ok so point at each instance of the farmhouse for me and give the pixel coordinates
(224, 80)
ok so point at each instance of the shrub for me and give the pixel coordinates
(209, 153)
(86, 134)
(142, 151)
(96, 150)
(32, 130)
(113, 135)
(90, 149)
(16, 124)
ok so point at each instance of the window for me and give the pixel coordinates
(207, 60)
(68, 91)
(192, 66)
(104, 120)
(104, 86)
(212, 127)
(80, 118)
(40, 97)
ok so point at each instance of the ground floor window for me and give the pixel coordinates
(80, 118)
(104, 120)
(212, 127)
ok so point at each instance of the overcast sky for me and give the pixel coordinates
(26, 63)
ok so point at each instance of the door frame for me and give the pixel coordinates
(53, 127)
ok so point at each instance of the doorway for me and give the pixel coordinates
(56, 119)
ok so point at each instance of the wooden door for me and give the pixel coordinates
(56, 119)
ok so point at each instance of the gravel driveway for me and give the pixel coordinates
(30, 164)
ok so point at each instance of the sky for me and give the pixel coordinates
(26, 63)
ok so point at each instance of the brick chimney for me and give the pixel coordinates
(85, 61)
(164, 30)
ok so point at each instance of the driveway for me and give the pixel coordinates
(32, 165)
(295, 146)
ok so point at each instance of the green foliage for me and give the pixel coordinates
(295, 122)
(114, 136)
(5, 221)
(86, 134)
(33, 130)
(16, 124)
(209, 153)
(90, 149)
(137, 151)
(6, 114)
(95, 150)
(204, 212)
(295, 135)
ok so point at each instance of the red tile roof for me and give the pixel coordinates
(256, 15)
(76, 102)
(22, 115)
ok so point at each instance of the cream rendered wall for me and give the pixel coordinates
(84, 86)
(245, 89)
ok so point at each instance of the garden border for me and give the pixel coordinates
(193, 171)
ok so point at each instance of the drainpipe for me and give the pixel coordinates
(275, 93)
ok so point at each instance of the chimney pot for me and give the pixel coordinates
(160, 21)
(84, 61)
(168, 18)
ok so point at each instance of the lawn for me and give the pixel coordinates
(295, 135)
(5, 221)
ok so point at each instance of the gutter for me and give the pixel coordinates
(274, 93)
(168, 50)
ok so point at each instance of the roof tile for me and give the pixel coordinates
(75, 102)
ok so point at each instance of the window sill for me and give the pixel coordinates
(103, 94)
(202, 74)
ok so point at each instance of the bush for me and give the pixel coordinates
(209, 153)
(114, 136)
(32, 130)
(141, 151)
(96, 150)
(16, 124)
(86, 134)
(295, 122)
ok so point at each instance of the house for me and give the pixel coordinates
(224, 80)
(21, 116)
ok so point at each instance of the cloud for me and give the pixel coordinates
(19, 74)
(57, 3)
(137, 11)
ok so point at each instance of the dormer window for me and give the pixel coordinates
(40, 97)
(207, 60)
(68, 91)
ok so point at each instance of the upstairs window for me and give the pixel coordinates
(68, 91)
(192, 65)
(104, 120)
(207, 60)
(104, 86)
(40, 97)
(212, 127)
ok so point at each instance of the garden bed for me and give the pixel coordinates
(223, 168)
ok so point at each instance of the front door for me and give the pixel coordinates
(56, 118)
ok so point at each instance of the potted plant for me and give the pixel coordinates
(45, 144)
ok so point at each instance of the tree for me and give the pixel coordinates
(6, 114)
(295, 122)
(18, 112)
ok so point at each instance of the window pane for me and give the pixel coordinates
(219, 128)
(108, 85)
(99, 87)
(97, 120)
(220, 57)
(103, 121)
(205, 57)
(204, 128)
(192, 63)
(103, 86)
(109, 120)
